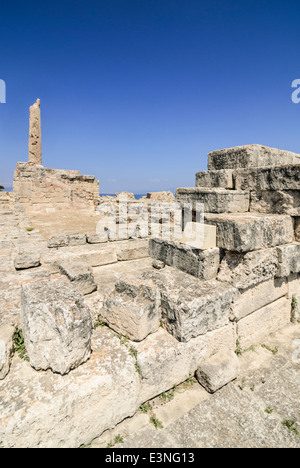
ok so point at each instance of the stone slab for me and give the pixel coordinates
(165, 362)
(246, 232)
(285, 177)
(80, 275)
(71, 410)
(276, 201)
(202, 264)
(199, 236)
(214, 200)
(256, 327)
(250, 156)
(257, 296)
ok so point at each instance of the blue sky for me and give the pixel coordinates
(137, 92)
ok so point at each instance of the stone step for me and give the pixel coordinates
(214, 200)
(190, 307)
(202, 264)
(222, 178)
(249, 156)
(282, 177)
(244, 232)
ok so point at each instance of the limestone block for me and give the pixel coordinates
(219, 179)
(165, 196)
(199, 236)
(246, 232)
(269, 178)
(165, 362)
(275, 201)
(288, 259)
(257, 296)
(132, 250)
(58, 241)
(56, 325)
(6, 349)
(97, 257)
(218, 370)
(133, 309)
(202, 264)
(94, 238)
(77, 239)
(27, 260)
(80, 275)
(250, 156)
(245, 270)
(214, 200)
(75, 408)
(256, 327)
(190, 306)
(297, 228)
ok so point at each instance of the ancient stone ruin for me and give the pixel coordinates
(103, 309)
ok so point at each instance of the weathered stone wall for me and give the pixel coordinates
(49, 190)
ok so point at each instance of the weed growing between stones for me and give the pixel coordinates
(290, 425)
(117, 440)
(156, 422)
(274, 351)
(294, 309)
(20, 345)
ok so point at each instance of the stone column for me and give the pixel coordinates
(35, 136)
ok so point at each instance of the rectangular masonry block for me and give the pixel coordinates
(245, 270)
(165, 362)
(276, 201)
(190, 306)
(214, 200)
(250, 156)
(256, 327)
(288, 259)
(133, 309)
(246, 232)
(258, 296)
(202, 264)
(268, 178)
(219, 179)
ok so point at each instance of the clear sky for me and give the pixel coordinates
(137, 92)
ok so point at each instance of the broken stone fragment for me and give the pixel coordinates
(218, 370)
(133, 309)
(56, 324)
(26, 261)
(6, 349)
(80, 275)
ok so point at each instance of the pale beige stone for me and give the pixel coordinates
(256, 327)
(35, 135)
(258, 296)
